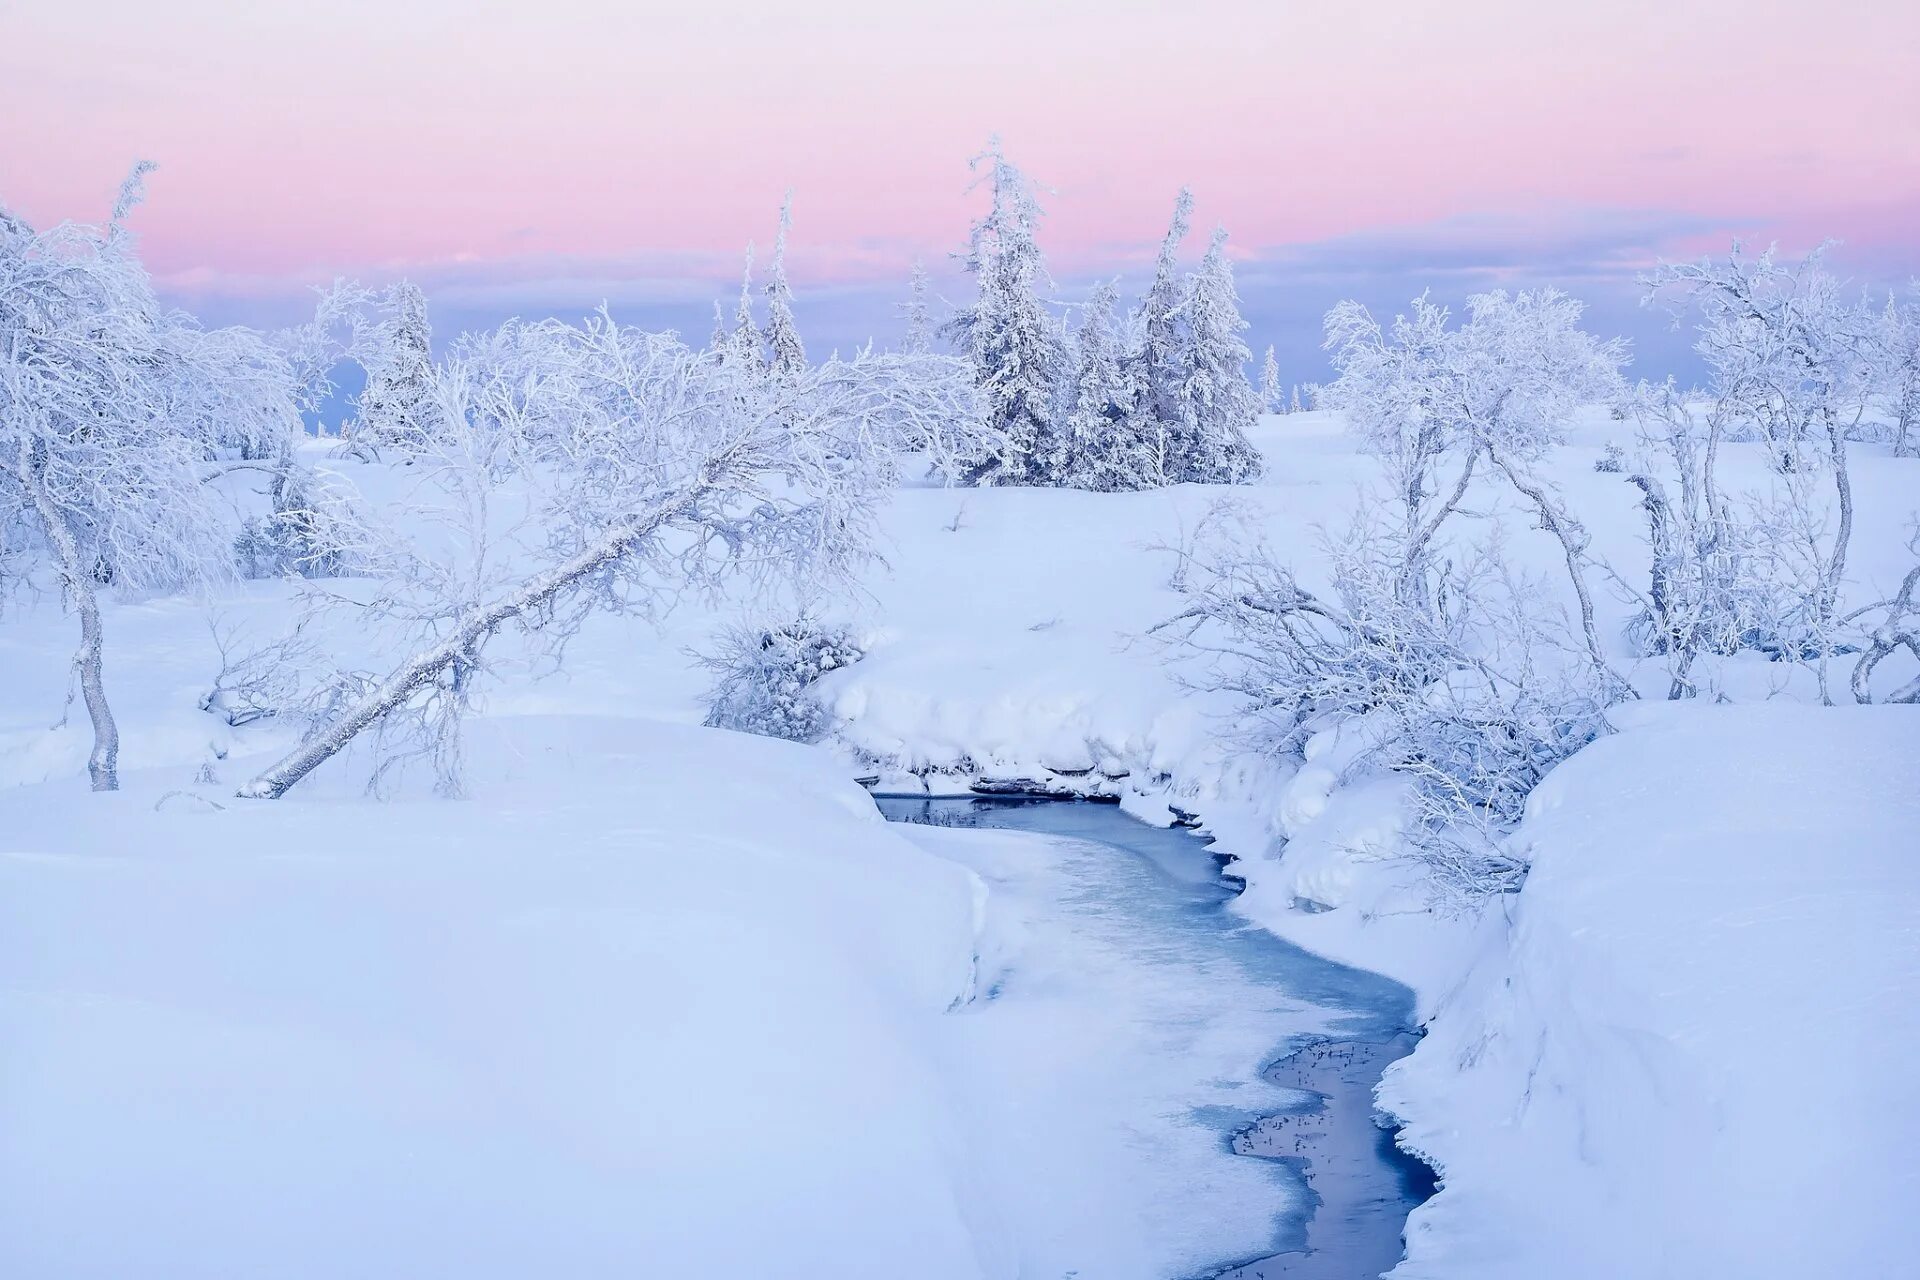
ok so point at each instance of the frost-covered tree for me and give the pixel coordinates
(1273, 398)
(103, 430)
(1099, 451)
(1893, 351)
(744, 347)
(1216, 399)
(786, 354)
(1791, 360)
(1434, 402)
(1156, 368)
(1006, 334)
(642, 471)
(1470, 698)
(396, 407)
(919, 314)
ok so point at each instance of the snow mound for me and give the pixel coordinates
(1692, 1055)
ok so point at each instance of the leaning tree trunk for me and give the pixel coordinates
(103, 765)
(457, 651)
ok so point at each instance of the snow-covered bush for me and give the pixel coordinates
(764, 677)
(1472, 691)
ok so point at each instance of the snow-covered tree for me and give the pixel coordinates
(1156, 368)
(744, 347)
(1006, 334)
(919, 314)
(1273, 398)
(786, 354)
(1894, 354)
(103, 433)
(1434, 402)
(396, 406)
(1471, 701)
(1099, 452)
(1792, 360)
(1215, 396)
(643, 471)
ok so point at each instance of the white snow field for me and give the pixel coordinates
(663, 1000)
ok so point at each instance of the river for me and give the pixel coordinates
(1141, 909)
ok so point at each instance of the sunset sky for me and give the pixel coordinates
(532, 158)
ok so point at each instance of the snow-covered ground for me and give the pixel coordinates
(1692, 1052)
(668, 998)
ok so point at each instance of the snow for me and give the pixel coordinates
(606, 1019)
(1691, 1054)
(675, 1001)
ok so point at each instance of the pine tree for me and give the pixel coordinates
(1157, 412)
(1216, 396)
(396, 406)
(1007, 334)
(1272, 396)
(919, 339)
(1100, 451)
(1296, 399)
(743, 345)
(786, 353)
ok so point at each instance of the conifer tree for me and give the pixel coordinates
(785, 352)
(1100, 451)
(1217, 398)
(1007, 335)
(919, 339)
(396, 407)
(1272, 396)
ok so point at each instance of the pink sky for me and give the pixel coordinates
(483, 140)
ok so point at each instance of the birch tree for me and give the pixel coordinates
(643, 471)
(103, 430)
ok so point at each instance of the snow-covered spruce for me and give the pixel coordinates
(786, 353)
(1006, 335)
(397, 407)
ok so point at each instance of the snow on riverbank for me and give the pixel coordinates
(606, 1019)
(1691, 1056)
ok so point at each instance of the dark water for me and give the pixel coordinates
(1169, 887)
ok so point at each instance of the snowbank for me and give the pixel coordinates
(608, 1019)
(1693, 1054)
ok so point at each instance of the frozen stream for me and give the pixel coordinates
(1213, 1081)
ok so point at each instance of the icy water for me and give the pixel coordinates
(1337, 1030)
